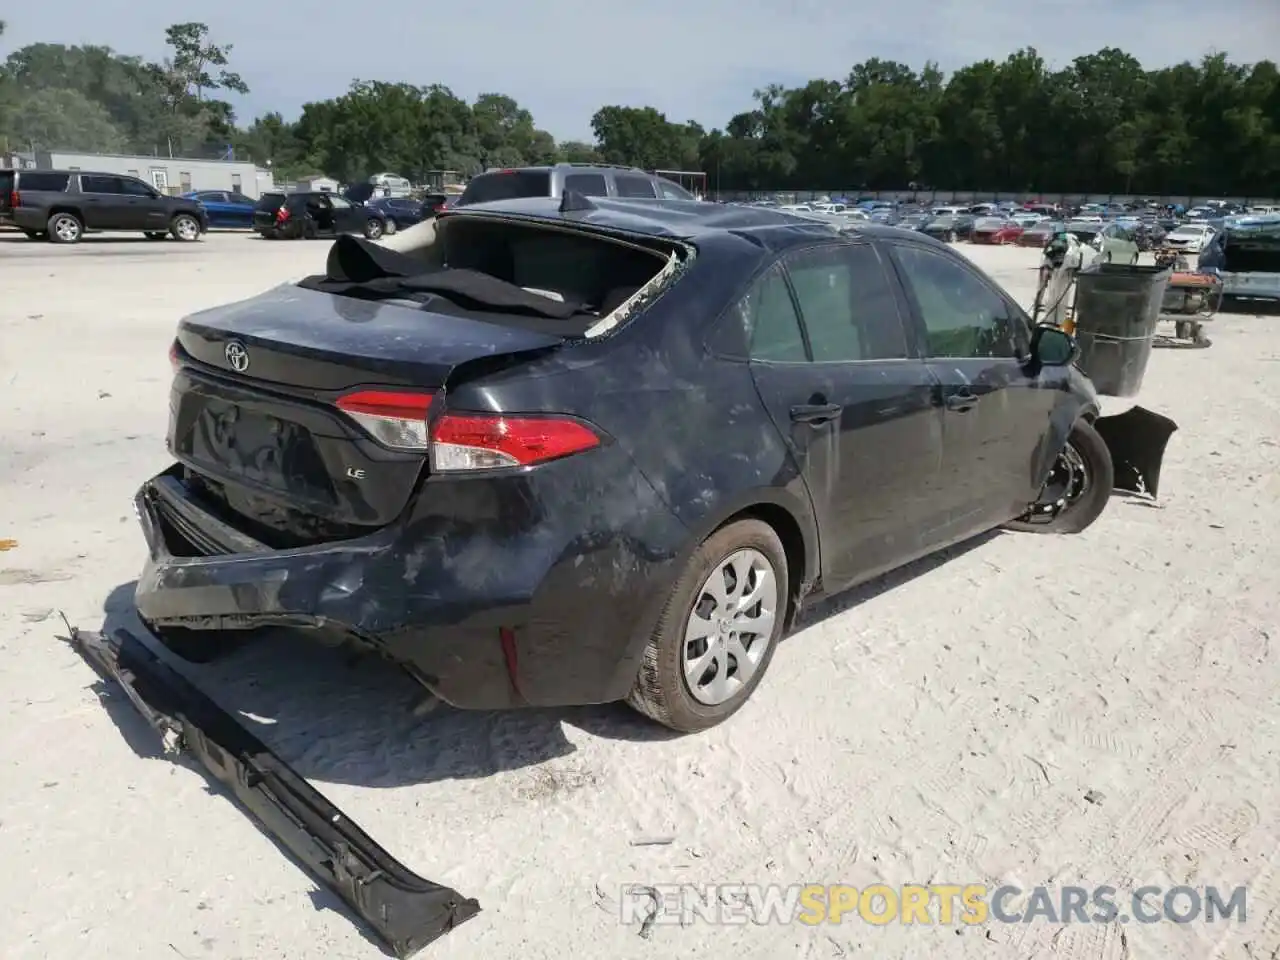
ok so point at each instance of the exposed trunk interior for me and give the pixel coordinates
(255, 422)
(1248, 252)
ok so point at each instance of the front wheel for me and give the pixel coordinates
(185, 228)
(1077, 488)
(373, 228)
(718, 630)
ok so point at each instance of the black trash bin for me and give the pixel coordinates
(1117, 307)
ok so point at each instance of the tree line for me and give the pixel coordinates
(1101, 124)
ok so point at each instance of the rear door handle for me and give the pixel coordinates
(816, 413)
(961, 402)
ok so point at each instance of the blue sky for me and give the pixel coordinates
(699, 60)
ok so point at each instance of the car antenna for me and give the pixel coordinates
(574, 202)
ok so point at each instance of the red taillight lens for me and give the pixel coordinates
(467, 441)
(397, 420)
(15, 198)
(175, 356)
(282, 215)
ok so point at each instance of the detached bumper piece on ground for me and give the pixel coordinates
(405, 911)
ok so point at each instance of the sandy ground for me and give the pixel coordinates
(943, 725)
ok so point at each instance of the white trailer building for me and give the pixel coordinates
(171, 175)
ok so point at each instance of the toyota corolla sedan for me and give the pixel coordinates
(544, 452)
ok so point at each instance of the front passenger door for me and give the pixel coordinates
(148, 207)
(347, 218)
(997, 416)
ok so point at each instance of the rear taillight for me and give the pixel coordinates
(471, 441)
(396, 420)
(282, 215)
(465, 441)
(175, 356)
(15, 198)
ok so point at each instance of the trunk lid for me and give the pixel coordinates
(253, 415)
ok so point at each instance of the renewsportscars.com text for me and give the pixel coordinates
(944, 904)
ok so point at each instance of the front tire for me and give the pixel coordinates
(185, 228)
(1077, 488)
(718, 631)
(374, 228)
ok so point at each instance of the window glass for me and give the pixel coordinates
(33, 180)
(673, 191)
(135, 188)
(506, 185)
(963, 315)
(847, 304)
(632, 186)
(338, 203)
(91, 184)
(586, 184)
(769, 316)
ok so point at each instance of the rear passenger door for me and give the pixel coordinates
(837, 371)
(106, 205)
(996, 415)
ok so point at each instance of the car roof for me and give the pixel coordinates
(690, 220)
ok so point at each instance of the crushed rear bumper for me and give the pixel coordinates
(405, 911)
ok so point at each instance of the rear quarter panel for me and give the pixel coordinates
(691, 425)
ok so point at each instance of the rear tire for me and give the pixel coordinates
(1085, 450)
(65, 228)
(662, 691)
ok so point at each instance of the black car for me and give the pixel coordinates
(63, 205)
(604, 449)
(400, 212)
(950, 227)
(309, 215)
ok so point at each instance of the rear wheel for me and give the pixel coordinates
(65, 228)
(1077, 488)
(717, 633)
(185, 227)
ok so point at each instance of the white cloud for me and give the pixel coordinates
(562, 59)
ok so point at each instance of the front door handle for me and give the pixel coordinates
(816, 413)
(961, 402)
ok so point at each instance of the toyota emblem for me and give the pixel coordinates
(237, 356)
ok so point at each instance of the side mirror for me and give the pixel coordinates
(1052, 346)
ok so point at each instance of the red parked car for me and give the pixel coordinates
(1039, 234)
(995, 230)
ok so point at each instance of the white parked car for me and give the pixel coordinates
(1191, 237)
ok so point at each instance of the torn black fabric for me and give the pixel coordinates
(358, 268)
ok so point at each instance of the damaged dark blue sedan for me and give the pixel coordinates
(547, 452)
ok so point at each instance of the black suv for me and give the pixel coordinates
(308, 215)
(62, 205)
(587, 179)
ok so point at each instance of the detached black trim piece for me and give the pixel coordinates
(404, 910)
